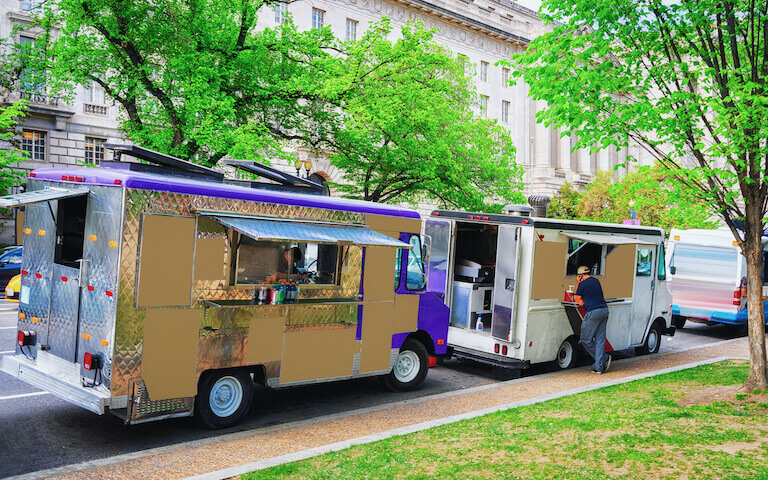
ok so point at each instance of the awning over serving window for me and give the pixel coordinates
(607, 239)
(259, 229)
(44, 195)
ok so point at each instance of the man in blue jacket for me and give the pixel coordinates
(589, 294)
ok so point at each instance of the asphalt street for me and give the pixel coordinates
(38, 431)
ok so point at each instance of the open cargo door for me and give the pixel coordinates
(505, 282)
(440, 233)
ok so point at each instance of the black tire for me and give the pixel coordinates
(223, 398)
(567, 354)
(678, 321)
(652, 341)
(410, 368)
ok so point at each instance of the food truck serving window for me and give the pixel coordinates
(266, 261)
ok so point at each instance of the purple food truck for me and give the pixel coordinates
(166, 290)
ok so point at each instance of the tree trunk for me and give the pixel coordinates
(758, 376)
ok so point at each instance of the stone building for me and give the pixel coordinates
(57, 133)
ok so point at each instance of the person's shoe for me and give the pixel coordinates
(607, 364)
(594, 370)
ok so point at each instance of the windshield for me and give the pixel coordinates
(699, 261)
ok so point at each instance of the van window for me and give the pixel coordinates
(644, 261)
(662, 271)
(415, 279)
(589, 254)
(70, 230)
(700, 261)
(306, 263)
(398, 263)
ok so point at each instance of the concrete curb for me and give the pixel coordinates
(312, 452)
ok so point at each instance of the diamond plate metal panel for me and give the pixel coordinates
(101, 254)
(62, 321)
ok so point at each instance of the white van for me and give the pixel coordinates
(502, 281)
(707, 277)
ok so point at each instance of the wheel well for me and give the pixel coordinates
(425, 339)
(258, 372)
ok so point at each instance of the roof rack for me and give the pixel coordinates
(169, 165)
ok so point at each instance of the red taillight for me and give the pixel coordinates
(90, 288)
(63, 279)
(63, 177)
(496, 348)
(38, 275)
(503, 349)
(71, 178)
(737, 297)
(524, 222)
(26, 337)
(434, 214)
(108, 293)
(33, 174)
(24, 272)
(118, 182)
(92, 361)
(485, 218)
(78, 179)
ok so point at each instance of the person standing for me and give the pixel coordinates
(589, 294)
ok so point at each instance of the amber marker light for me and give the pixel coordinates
(22, 315)
(92, 238)
(27, 230)
(35, 320)
(41, 233)
(86, 336)
(105, 343)
(112, 243)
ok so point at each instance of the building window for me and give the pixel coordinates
(34, 144)
(505, 111)
(94, 150)
(504, 77)
(483, 71)
(351, 29)
(318, 17)
(281, 13)
(32, 81)
(484, 106)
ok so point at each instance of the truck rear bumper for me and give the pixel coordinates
(50, 375)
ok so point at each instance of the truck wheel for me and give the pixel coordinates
(223, 398)
(652, 341)
(678, 321)
(410, 368)
(567, 354)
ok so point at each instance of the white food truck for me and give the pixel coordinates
(503, 280)
(707, 277)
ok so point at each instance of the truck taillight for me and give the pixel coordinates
(92, 361)
(737, 297)
(26, 338)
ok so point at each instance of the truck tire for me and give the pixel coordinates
(567, 354)
(678, 321)
(410, 368)
(652, 341)
(223, 398)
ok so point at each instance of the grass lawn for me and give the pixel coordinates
(691, 424)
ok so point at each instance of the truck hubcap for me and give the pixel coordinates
(226, 396)
(406, 366)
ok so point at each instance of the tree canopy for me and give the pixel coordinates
(199, 80)
(686, 81)
(656, 198)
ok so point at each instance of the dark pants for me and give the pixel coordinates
(593, 336)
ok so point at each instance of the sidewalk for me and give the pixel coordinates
(229, 455)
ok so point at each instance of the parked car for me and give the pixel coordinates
(13, 288)
(10, 265)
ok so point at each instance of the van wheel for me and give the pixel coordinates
(652, 341)
(678, 321)
(567, 354)
(223, 398)
(410, 368)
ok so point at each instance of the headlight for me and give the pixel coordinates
(9, 292)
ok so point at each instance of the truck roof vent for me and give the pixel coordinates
(518, 210)
(540, 204)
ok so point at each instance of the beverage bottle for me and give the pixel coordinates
(288, 293)
(254, 296)
(273, 298)
(281, 293)
(263, 294)
(294, 292)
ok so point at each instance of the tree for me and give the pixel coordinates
(12, 66)
(564, 203)
(656, 198)
(685, 80)
(191, 75)
(409, 132)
